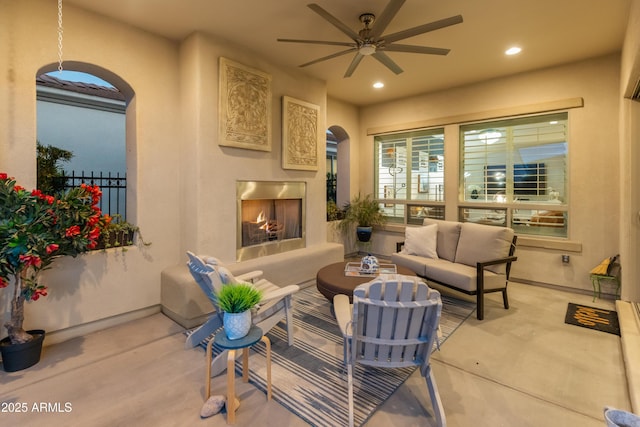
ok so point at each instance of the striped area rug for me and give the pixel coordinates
(309, 378)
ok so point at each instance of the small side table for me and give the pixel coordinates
(255, 334)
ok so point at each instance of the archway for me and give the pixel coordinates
(87, 110)
(340, 145)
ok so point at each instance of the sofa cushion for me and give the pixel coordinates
(421, 241)
(448, 235)
(414, 263)
(462, 276)
(479, 243)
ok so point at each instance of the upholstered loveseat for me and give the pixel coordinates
(471, 258)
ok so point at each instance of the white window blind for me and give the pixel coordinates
(409, 166)
(516, 162)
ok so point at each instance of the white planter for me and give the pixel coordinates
(237, 325)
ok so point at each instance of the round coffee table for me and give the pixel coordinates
(331, 280)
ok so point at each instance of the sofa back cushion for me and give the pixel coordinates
(448, 235)
(480, 243)
(421, 241)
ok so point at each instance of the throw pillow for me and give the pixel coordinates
(422, 241)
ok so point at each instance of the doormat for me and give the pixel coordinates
(593, 318)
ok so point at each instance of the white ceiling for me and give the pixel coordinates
(550, 32)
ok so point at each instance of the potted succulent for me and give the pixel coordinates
(118, 233)
(35, 230)
(364, 213)
(236, 301)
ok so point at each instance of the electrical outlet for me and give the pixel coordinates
(565, 259)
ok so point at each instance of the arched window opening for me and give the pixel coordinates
(332, 166)
(337, 171)
(81, 128)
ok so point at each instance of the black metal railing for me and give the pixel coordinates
(114, 190)
(332, 186)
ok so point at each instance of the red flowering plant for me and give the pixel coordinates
(36, 229)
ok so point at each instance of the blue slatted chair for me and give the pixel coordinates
(393, 322)
(275, 306)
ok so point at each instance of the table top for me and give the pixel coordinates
(331, 280)
(254, 335)
(335, 273)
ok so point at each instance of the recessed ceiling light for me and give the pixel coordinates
(378, 85)
(513, 51)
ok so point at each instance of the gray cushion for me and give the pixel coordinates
(479, 243)
(413, 262)
(448, 235)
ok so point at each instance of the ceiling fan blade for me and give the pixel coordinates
(416, 49)
(388, 62)
(329, 43)
(421, 29)
(354, 64)
(333, 20)
(383, 20)
(324, 58)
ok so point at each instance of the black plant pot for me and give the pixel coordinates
(364, 233)
(16, 357)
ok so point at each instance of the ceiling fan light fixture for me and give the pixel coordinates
(367, 49)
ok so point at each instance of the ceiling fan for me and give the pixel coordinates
(369, 41)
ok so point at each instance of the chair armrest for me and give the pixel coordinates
(399, 246)
(250, 276)
(280, 293)
(343, 310)
(482, 265)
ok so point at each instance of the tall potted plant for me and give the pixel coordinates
(364, 213)
(35, 230)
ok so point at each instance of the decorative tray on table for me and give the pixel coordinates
(353, 269)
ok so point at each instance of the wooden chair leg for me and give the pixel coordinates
(231, 387)
(350, 387)
(505, 299)
(267, 344)
(219, 363)
(289, 318)
(436, 402)
(207, 393)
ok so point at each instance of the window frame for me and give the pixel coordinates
(530, 214)
(423, 158)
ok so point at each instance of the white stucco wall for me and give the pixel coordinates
(100, 285)
(181, 182)
(593, 155)
(210, 171)
(630, 158)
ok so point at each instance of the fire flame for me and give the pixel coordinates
(262, 218)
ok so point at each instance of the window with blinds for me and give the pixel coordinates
(521, 165)
(410, 167)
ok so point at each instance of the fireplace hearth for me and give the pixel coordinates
(271, 218)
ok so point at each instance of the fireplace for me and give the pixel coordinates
(271, 218)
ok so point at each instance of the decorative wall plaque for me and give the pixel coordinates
(299, 134)
(245, 107)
